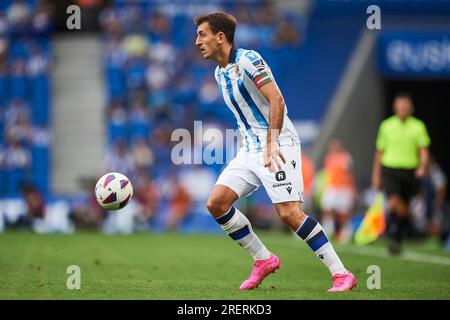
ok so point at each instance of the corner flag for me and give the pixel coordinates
(374, 222)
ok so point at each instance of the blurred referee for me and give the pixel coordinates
(401, 159)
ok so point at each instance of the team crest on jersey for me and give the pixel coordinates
(238, 71)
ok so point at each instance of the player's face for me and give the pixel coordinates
(206, 41)
(403, 107)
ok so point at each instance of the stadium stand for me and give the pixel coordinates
(25, 97)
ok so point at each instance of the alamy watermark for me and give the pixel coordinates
(74, 278)
(208, 146)
(374, 280)
(374, 20)
(213, 146)
(73, 22)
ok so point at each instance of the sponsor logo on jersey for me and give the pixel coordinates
(277, 185)
(280, 175)
(259, 65)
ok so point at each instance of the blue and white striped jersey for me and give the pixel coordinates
(239, 83)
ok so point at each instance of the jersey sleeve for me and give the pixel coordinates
(381, 138)
(255, 68)
(423, 137)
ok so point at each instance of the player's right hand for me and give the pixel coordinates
(376, 182)
(271, 155)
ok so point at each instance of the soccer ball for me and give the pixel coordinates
(113, 191)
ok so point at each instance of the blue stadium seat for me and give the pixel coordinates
(4, 91)
(3, 185)
(139, 130)
(117, 132)
(15, 178)
(116, 82)
(19, 87)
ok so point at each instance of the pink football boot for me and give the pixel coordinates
(261, 269)
(343, 282)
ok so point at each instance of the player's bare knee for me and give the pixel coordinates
(216, 206)
(289, 217)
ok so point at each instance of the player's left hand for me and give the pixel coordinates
(420, 172)
(272, 154)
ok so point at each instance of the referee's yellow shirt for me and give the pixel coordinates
(400, 142)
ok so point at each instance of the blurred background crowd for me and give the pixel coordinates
(154, 82)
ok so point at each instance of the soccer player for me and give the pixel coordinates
(401, 159)
(270, 155)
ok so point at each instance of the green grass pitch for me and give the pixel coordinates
(176, 266)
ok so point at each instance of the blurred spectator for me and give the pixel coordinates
(120, 160)
(17, 111)
(37, 64)
(110, 21)
(41, 21)
(18, 15)
(286, 36)
(3, 25)
(87, 213)
(118, 122)
(3, 186)
(246, 33)
(162, 53)
(132, 17)
(40, 137)
(157, 77)
(123, 223)
(260, 212)
(148, 199)
(308, 172)
(138, 109)
(339, 195)
(434, 186)
(34, 201)
(266, 18)
(17, 164)
(135, 46)
(161, 146)
(180, 205)
(114, 52)
(189, 178)
(135, 69)
(17, 156)
(20, 130)
(209, 100)
(159, 27)
(142, 155)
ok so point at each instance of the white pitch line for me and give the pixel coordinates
(406, 255)
(382, 253)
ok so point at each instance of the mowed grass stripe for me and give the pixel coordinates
(176, 266)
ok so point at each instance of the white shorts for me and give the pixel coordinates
(340, 200)
(246, 173)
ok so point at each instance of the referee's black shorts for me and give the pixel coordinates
(402, 182)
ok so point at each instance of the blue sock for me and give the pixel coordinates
(312, 233)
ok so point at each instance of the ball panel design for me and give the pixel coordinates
(113, 191)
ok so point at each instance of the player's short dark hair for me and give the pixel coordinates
(403, 95)
(219, 21)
